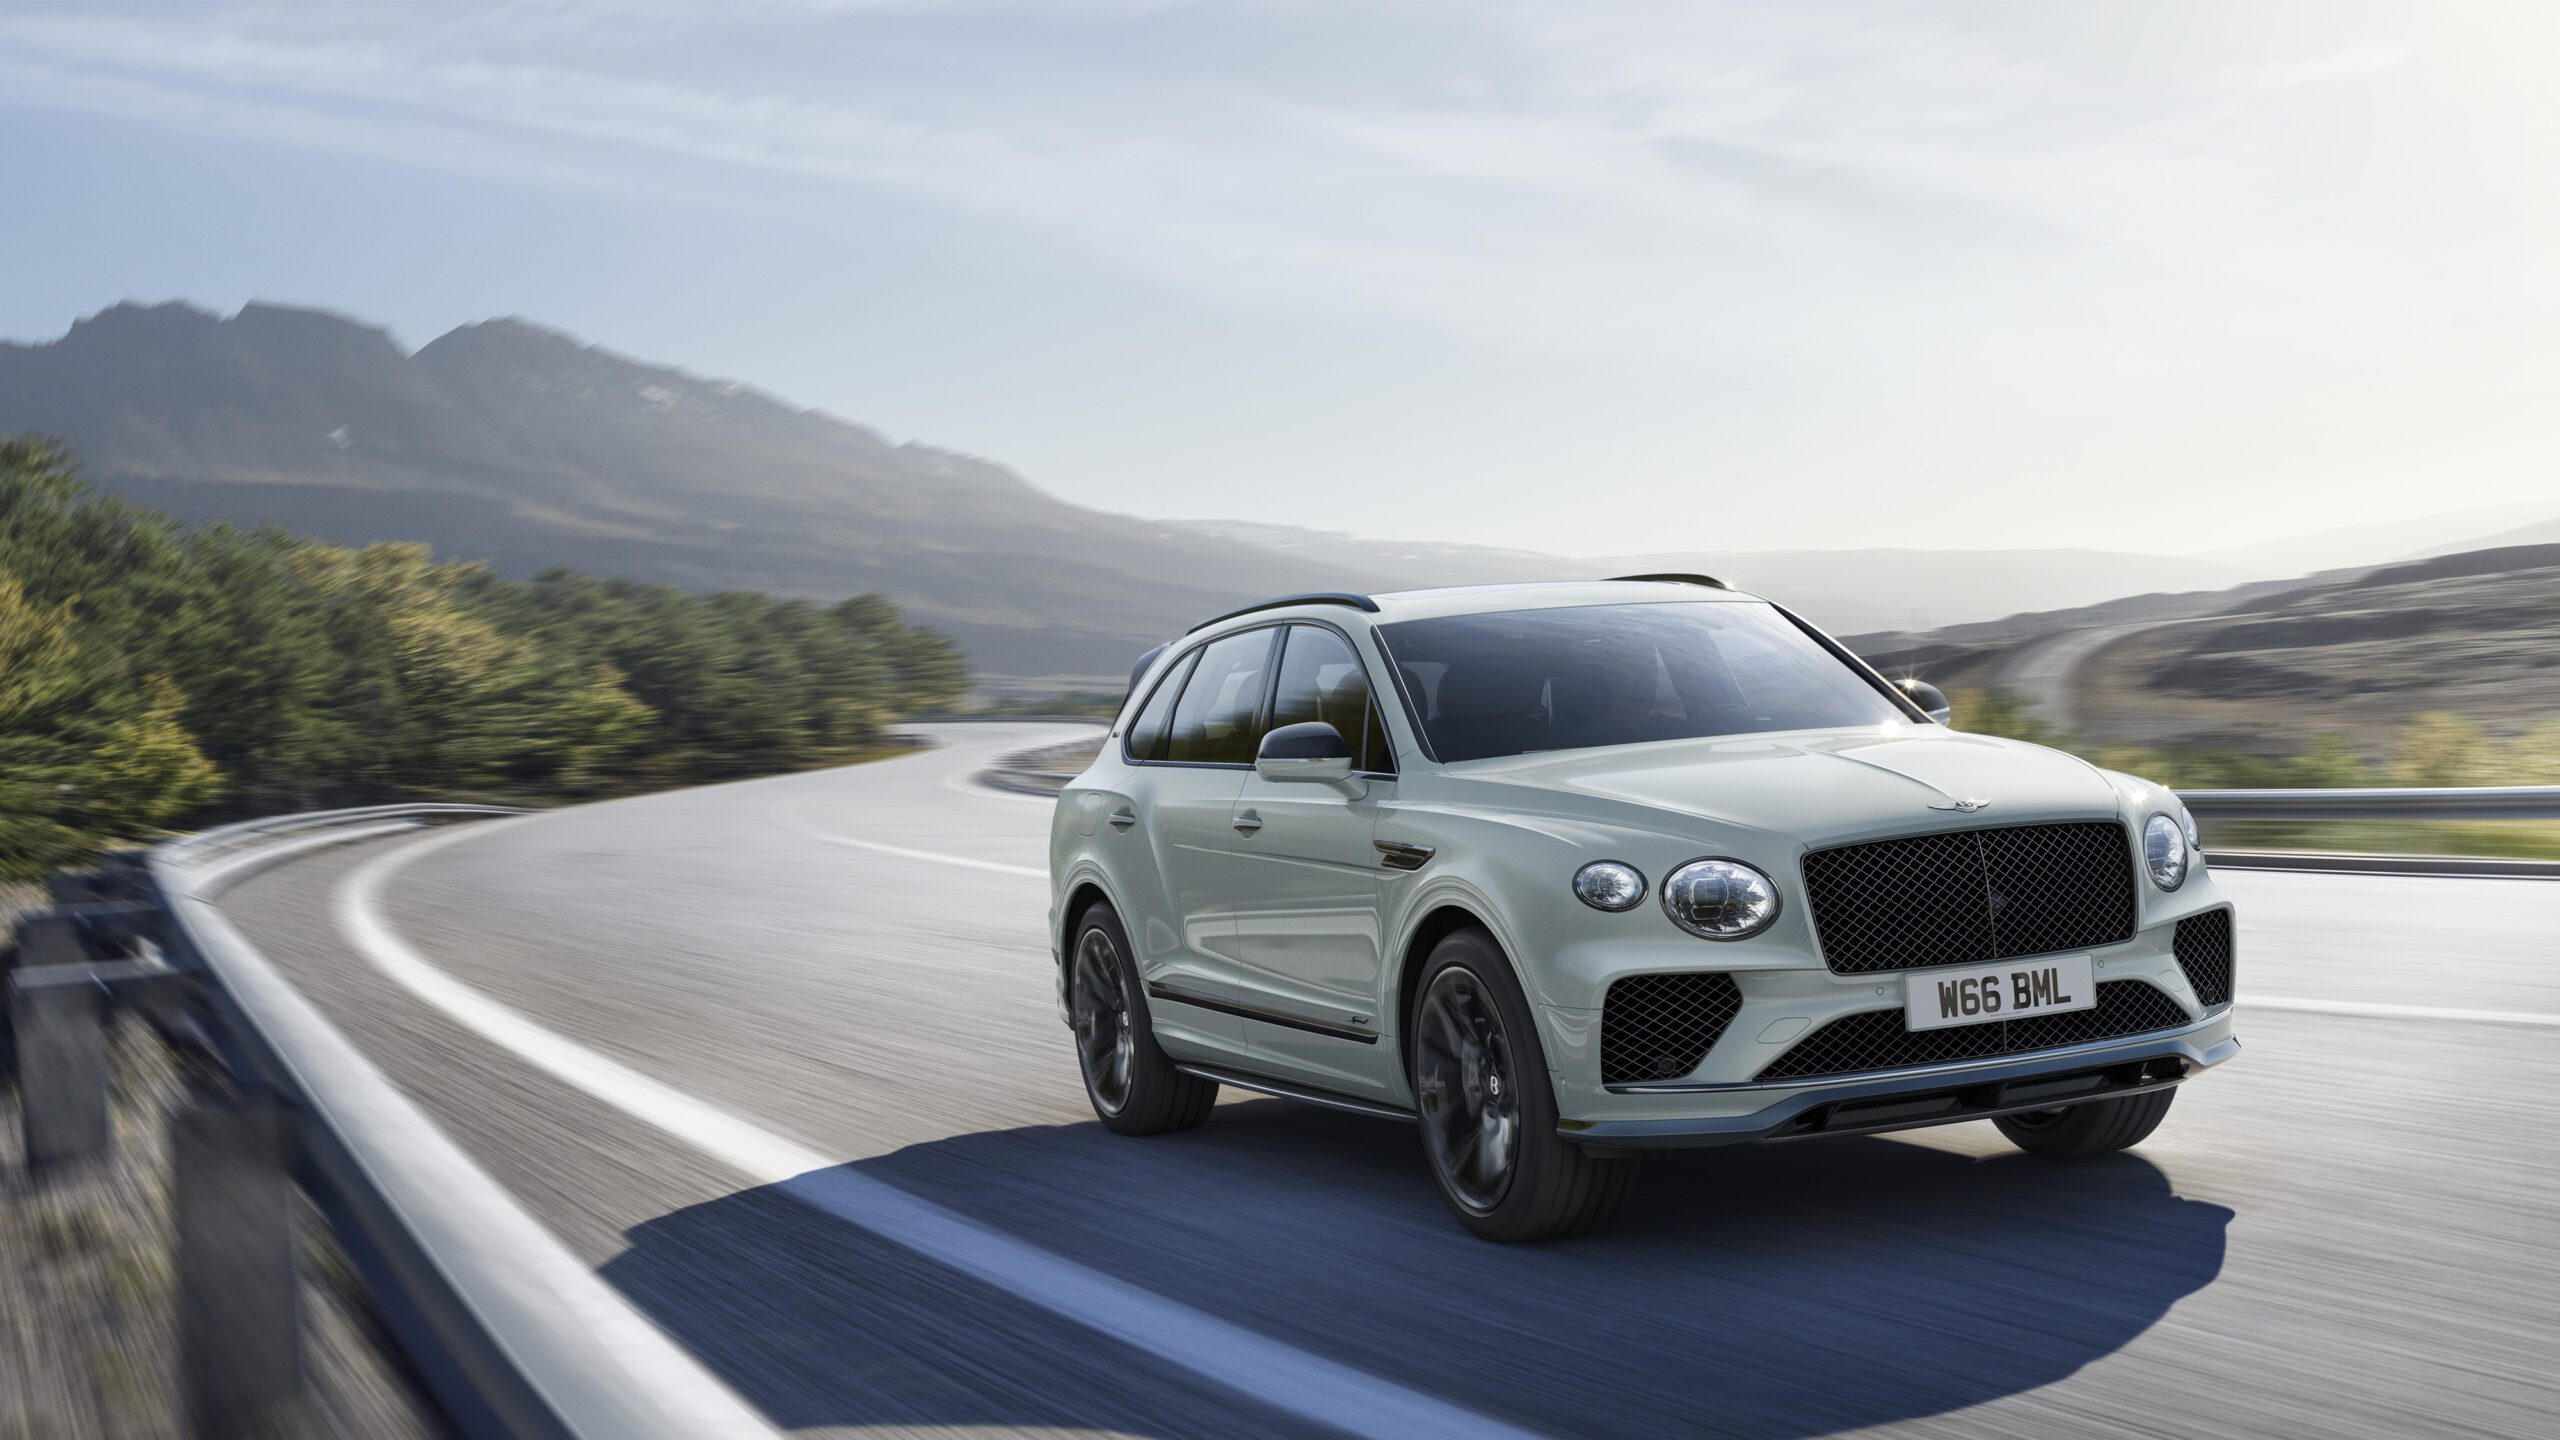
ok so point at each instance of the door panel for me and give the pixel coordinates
(1186, 948)
(1310, 884)
(1187, 812)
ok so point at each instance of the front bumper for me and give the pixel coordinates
(1735, 1114)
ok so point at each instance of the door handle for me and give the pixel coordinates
(1123, 818)
(1248, 822)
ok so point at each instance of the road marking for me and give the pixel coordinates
(1336, 1396)
(782, 816)
(2394, 1012)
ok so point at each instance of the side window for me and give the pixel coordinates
(1214, 722)
(1145, 740)
(1321, 679)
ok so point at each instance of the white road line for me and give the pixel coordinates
(782, 816)
(1337, 1396)
(2393, 1012)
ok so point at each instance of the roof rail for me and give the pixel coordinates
(1709, 581)
(1320, 597)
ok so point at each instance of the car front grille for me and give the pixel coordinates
(2203, 948)
(1658, 1027)
(1969, 896)
(1877, 1040)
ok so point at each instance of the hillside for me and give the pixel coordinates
(515, 444)
(2265, 667)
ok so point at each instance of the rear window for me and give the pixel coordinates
(1217, 720)
(1516, 682)
(1147, 733)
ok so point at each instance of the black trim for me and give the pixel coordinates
(1709, 581)
(1317, 597)
(1857, 665)
(1157, 991)
(1307, 1094)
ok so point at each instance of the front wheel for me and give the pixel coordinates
(2094, 1128)
(1487, 1109)
(1131, 1081)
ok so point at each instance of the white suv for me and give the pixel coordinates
(1568, 872)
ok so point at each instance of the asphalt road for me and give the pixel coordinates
(820, 1122)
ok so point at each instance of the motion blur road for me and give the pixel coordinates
(795, 1086)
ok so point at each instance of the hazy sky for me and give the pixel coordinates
(1578, 276)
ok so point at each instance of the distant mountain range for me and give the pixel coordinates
(518, 445)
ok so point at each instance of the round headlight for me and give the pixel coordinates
(1719, 899)
(2164, 852)
(1609, 885)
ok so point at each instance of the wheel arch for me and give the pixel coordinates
(1440, 916)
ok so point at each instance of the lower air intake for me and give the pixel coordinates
(1876, 1039)
(1658, 1027)
(2203, 948)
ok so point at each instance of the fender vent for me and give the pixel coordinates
(1658, 1027)
(2203, 948)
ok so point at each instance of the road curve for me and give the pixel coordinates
(779, 1059)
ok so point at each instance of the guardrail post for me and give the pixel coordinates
(239, 1279)
(58, 1019)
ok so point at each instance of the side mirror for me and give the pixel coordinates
(1928, 697)
(1312, 751)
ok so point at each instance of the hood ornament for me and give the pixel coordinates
(1961, 807)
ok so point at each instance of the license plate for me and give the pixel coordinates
(1935, 999)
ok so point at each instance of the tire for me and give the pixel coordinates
(1480, 1073)
(2098, 1127)
(1131, 1081)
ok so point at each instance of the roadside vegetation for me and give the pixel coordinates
(154, 674)
(2434, 749)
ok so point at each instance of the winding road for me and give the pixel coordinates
(779, 1060)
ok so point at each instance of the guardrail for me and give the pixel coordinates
(2498, 802)
(2487, 802)
(511, 1335)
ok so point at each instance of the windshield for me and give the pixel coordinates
(1517, 681)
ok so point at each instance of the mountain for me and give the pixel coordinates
(514, 444)
(518, 445)
(2480, 527)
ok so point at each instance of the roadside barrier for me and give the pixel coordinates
(510, 1334)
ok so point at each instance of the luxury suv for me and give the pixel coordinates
(1562, 873)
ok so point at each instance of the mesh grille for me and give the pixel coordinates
(2203, 948)
(1876, 1039)
(1970, 896)
(1658, 1027)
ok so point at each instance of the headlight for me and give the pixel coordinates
(1609, 885)
(2164, 852)
(2195, 838)
(1719, 899)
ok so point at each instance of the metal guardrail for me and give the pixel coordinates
(2488, 802)
(512, 1335)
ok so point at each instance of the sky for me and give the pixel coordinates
(1582, 276)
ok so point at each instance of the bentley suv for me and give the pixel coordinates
(1565, 873)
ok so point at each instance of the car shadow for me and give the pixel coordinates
(1778, 1291)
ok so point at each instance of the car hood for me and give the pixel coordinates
(1819, 787)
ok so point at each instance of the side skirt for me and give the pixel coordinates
(1374, 1109)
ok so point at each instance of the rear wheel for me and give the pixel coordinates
(1131, 1081)
(2096, 1128)
(1488, 1111)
